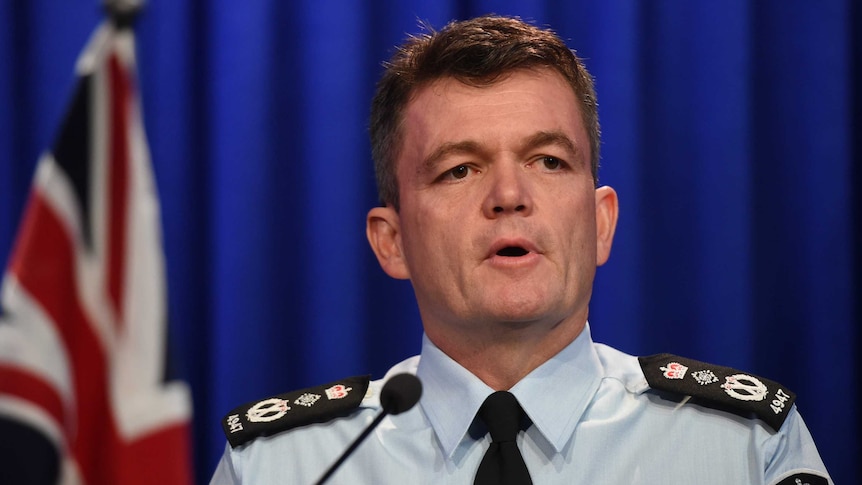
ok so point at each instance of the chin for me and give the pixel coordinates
(519, 313)
(523, 303)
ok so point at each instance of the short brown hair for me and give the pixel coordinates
(477, 52)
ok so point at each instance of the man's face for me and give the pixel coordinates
(498, 216)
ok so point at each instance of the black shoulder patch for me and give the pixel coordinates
(293, 409)
(722, 386)
(804, 479)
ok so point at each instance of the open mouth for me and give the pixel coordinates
(512, 252)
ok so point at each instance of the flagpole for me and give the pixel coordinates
(123, 12)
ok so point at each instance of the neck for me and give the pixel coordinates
(502, 354)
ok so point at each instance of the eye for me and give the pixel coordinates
(458, 172)
(552, 163)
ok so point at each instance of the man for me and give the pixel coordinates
(486, 146)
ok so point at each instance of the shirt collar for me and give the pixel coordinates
(450, 413)
(571, 378)
(556, 394)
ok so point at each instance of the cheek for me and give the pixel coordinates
(424, 237)
(579, 228)
(436, 215)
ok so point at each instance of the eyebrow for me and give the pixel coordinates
(547, 138)
(448, 149)
(537, 140)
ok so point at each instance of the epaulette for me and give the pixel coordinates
(293, 409)
(721, 386)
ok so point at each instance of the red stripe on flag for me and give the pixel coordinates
(30, 387)
(118, 181)
(44, 263)
(160, 457)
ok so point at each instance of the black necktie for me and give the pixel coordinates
(503, 463)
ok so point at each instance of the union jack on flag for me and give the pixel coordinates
(83, 394)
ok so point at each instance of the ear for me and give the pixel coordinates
(383, 229)
(607, 211)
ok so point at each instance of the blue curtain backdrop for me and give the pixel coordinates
(731, 131)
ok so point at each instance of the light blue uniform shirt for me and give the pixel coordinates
(594, 421)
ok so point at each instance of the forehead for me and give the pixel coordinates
(513, 108)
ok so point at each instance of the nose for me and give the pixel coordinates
(508, 192)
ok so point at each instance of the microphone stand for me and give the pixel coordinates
(400, 393)
(352, 447)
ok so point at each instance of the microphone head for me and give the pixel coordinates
(400, 393)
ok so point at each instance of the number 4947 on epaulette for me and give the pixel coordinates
(781, 397)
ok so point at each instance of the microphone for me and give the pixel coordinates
(400, 393)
